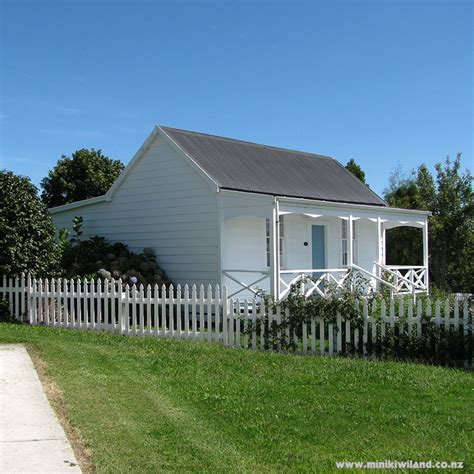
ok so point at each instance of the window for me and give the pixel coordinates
(282, 240)
(345, 249)
(344, 243)
(268, 237)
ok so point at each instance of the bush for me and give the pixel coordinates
(298, 309)
(98, 258)
(27, 241)
(5, 315)
(4, 311)
(434, 344)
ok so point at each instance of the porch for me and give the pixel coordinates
(271, 246)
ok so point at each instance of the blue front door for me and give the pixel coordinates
(318, 246)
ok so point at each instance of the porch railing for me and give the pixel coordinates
(233, 275)
(399, 280)
(378, 280)
(406, 279)
(316, 283)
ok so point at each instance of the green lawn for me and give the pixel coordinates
(145, 405)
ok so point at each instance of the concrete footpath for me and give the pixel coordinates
(31, 438)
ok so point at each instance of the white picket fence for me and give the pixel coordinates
(208, 314)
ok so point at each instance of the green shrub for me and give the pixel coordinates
(27, 241)
(98, 258)
(433, 344)
(5, 315)
(297, 309)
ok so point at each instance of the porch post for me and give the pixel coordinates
(384, 246)
(275, 252)
(350, 238)
(379, 247)
(220, 240)
(425, 253)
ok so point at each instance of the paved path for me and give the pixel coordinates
(31, 438)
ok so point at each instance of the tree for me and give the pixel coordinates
(27, 236)
(449, 196)
(397, 179)
(356, 170)
(452, 226)
(87, 174)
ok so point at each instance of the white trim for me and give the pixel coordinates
(350, 242)
(384, 246)
(379, 254)
(426, 255)
(220, 236)
(275, 252)
(311, 203)
(277, 247)
(73, 205)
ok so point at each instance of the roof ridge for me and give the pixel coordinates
(246, 142)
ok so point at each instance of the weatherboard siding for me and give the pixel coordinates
(243, 243)
(366, 244)
(243, 238)
(163, 203)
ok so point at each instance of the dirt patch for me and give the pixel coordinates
(56, 399)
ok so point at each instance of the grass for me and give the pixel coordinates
(144, 405)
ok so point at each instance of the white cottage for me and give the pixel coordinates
(222, 211)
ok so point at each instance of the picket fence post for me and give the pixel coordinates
(20, 301)
(120, 312)
(419, 317)
(447, 318)
(262, 327)
(231, 322)
(246, 323)
(225, 315)
(304, 331)
(373, 325)
(186, 312)
(410, 319)
(28, 302)
(466, 324)
(365, 337)
(209, 313)
(217, 310)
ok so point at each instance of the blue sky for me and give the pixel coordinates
(383, 82)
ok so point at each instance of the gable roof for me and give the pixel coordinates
(250, 167)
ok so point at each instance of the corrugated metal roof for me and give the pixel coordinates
(250, 167)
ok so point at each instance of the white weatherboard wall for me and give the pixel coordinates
(298, 230)
(243, 239)
(366, 244)
(243, 244)
(163, 203)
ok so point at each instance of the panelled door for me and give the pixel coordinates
(318, 247)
